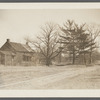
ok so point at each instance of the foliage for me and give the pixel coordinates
(78, 40)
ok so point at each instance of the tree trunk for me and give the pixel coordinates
(73, 62)
(60, 58)
(84, 59)
(90, 58)
(91, 51)
(48, 62)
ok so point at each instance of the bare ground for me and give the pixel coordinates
(54, 77)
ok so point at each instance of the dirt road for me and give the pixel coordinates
(51, 81)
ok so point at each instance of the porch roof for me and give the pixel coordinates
(7, 52)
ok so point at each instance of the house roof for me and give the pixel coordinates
(27, 47)
(21, 47)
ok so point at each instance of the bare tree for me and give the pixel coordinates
(47, 43)
(94, 32)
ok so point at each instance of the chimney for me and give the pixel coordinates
(8, 40)
(26, 43)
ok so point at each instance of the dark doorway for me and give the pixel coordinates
(3, 59)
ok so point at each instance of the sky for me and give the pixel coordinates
(20, 23)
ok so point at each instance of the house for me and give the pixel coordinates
(12, 53)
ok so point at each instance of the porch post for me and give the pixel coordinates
(5, 60)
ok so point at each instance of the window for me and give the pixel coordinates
(26, 58)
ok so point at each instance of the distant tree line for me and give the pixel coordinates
(78, 41)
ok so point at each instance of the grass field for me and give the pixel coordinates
(53, 77)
